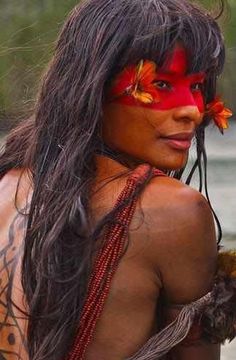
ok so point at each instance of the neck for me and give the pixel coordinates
(122, 158)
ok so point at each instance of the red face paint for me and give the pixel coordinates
(174, 87)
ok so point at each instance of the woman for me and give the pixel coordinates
(85, 275)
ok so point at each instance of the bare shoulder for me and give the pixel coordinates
(15, 181)
(165, 188)
(182, 241)
(176, 205)
(14, 196)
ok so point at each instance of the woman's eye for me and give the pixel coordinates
(162, 85)
(197, 87)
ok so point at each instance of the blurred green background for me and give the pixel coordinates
(28, 31)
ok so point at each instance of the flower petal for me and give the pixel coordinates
(221, 122)
(143, 97)
(219, 113)
(227, 113)
(147, 73)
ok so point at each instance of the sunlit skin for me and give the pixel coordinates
(159, 133)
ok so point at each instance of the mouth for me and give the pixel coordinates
(179, 141)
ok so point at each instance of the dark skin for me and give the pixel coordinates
(177, 257)
(172, 250)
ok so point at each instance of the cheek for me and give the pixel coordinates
(125, 123)
(199, 100)
(158, 120)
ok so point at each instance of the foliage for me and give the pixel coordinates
(26, 45)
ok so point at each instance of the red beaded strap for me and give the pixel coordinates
(107, 261)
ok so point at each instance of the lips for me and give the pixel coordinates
(179, 141)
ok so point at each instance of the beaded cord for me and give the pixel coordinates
(107, 261)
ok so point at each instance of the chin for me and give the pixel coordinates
(173, 165)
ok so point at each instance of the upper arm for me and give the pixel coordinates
(188, 273)
(183, 249)
(182, 242)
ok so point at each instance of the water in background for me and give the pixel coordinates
(221, 152)
(222, 186)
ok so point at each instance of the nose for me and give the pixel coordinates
(188, 113)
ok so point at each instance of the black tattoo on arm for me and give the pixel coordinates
(12, 336)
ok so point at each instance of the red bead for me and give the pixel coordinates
(106, 263)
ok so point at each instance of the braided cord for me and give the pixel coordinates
(106, 263)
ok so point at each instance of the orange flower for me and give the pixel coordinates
(137, 81)
(220, 114)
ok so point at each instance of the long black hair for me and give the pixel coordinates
(58, 144)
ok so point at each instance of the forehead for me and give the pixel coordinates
(176, 65)
(176, 62)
